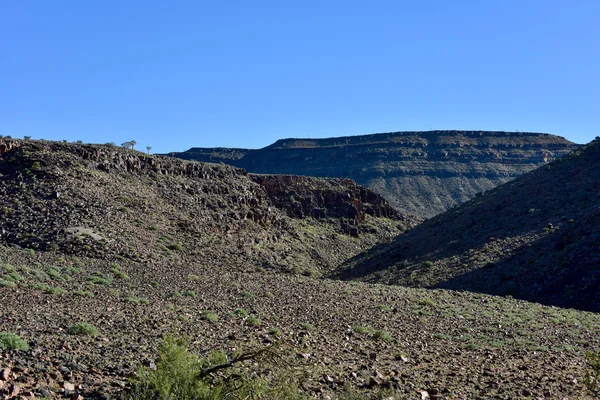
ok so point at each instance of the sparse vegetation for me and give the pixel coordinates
(210, 316)
(137, 300)
(182, 375)
(83, 329)
(592, 376)
(11, 341)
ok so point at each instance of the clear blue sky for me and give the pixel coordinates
(177, 74)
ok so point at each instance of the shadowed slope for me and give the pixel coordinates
(535, 238)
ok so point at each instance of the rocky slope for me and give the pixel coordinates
(102, 201)
(419, 173)
(142, 247)
(536, 238)
(400, 343)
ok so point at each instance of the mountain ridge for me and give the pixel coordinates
(419, 173)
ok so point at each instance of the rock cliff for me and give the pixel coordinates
(419, 173)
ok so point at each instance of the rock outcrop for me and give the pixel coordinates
(104, 201)
(419, 173)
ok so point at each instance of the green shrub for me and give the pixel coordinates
(248, 294)
(383, 335)
(210, 316)
(54, 273)
(241, 312)
(11, 341)
(83, 329)
(190, 293)
(175, 246)
(7, 283)
(55, 290)
(137, 300)
(98, 278)
(427, 302)
(254, 321)
(592, 377)
(182, 375)
(307, 326)
(364, 329)
(275, 331)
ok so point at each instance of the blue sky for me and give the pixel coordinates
(177, 74)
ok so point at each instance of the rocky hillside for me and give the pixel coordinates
(419, 173)
(106, 202)
(535, 238)
(105, 251)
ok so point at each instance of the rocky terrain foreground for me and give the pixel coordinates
(141, 247)
(535, 238)
(419, 173)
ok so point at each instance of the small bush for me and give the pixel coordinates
(275, 331)
(182, 375)
(11, 341)
(592, 377)
(137, 300)
(383, 335)
(6, 283)
(190, 293)
(116, 270)
(364, 329)
(307, 326)
(55, 290)
(83, 329)
(241, 312)
(98, 278)
(210, 316)
(121, 275)
(54, 273)
(427, 302)
(254, 321)
(247, 294)
(175, 246)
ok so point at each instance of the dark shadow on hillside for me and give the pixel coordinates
(551, 272)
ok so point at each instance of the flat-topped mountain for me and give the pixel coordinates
(536, 238)
(419, 173)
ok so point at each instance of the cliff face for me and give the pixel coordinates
(419, 173)
(105, 202)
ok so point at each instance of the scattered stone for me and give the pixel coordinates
(5, 374)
